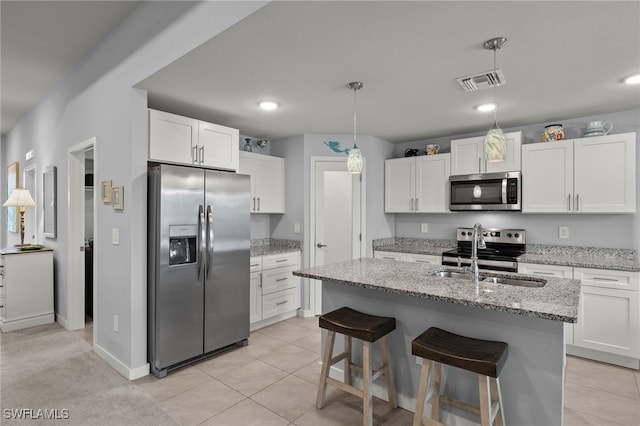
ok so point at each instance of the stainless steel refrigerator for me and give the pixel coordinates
(198, 272)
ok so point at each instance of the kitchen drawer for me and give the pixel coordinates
(388, 255)
(280, 260)
(255, 264)
(278, 279)
(545, 270)
(280, 302)
(622, 280)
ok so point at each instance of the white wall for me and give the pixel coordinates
(594, 230)
(98, 100)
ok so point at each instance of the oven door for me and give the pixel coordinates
(488, 191)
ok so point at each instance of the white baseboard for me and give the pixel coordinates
(595, 355)
(63, 321)
(306, 313)
(116, 364)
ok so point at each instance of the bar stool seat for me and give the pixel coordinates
(368, 329)
(483, 357)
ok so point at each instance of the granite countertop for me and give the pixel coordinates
(584, 257)
(556, 301)
(267, 246)
(13, 250)
(414, 245)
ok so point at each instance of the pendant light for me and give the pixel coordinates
(495, 143)
(354, 158)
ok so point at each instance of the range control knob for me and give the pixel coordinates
(509, 235)
(463, 233)
(517, 235)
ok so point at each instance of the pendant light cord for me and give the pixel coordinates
(495, 109)
(355, 117)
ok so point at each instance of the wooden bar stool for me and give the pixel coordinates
(368, 329)
(484, 357)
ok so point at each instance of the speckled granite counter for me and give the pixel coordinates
(557, 300)
(267, 246)
(414, 245)
(584, 257)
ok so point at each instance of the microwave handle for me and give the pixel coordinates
(504, 191)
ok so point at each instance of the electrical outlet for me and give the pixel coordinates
(424, 228)
(116, 325)
(563, 232)
(296, 228)
(419, 360)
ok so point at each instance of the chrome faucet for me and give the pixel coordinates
(476, 243)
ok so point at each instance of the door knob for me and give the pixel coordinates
(320, 245)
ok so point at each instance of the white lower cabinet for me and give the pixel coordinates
(408, 257)
(275, 291)
(26, 289)
(608, 327)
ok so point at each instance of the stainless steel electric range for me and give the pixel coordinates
(504, 246)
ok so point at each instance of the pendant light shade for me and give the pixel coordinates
(495, 143)
(354, 158)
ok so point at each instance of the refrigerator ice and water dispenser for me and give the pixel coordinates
(183, 242)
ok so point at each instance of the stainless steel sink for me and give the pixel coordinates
(446, 273)
(522, 282)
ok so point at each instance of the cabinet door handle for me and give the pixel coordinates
(320, 245)
(258, 203)
(254, 204)
(577, 202)
(194, 154)
(201, 159)
(417, 204)
(569, 202)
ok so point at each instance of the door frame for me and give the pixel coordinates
(315, 286)
(76, 236)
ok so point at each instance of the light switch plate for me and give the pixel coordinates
(424, 228)
(296, 228)
(563, 232)
(115, 236)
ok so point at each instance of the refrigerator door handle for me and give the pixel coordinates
(202, 239)
(210, 239)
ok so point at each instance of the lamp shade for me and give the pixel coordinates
(354, 160)
(20, 197)
(495, 144)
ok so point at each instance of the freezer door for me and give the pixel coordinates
(177, 305)
(227, 260)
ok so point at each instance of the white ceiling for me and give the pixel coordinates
(43, 41)
(562, 60)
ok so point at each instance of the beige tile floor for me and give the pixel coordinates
(273, 381)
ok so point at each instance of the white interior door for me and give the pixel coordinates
(336, 222)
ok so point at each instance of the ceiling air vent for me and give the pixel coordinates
(483, 80)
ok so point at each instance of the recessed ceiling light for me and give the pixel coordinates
(634, 79)
(268, 105)
(486, 107)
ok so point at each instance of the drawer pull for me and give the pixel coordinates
(609, 280)
(282, 279)
(281, 260)
(541, 273)
(282, 303)
(422, 261)
(254, 264)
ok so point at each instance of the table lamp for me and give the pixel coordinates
(20, 198)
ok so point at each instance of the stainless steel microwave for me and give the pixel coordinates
(486, 191)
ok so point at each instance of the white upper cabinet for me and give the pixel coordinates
(467, 156)
(417, 184)
(588, 175)
(267, 181)
(183, 140)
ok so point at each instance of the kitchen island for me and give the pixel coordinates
(529, 319)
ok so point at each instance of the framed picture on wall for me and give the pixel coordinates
(105, 191)
(13, 181)
(118, 197)
(49, 201)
